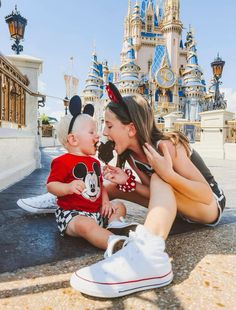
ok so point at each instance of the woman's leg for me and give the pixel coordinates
(87, 228)
(197, 211)
(162, 207)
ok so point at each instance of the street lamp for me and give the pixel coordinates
(217, 68)
(66, 104)
(16, 24)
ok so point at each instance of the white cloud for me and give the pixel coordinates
(230, 96)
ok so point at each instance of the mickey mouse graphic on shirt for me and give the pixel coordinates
(91, 180)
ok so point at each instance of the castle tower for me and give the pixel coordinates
(106, 72)
(149, 18)
(127, 22)
(93, 85)
(172, 30)
(145, 33)
(194, 85)
(129, 73)
(136, 25)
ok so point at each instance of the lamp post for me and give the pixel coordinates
(66, 104)
(217, 67)
(16, 24)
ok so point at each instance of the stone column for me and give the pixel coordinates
(32, 68)
(213, 136)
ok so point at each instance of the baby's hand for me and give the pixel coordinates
(76, 187)
(107, 209)
(115, 174)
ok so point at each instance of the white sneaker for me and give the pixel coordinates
(121, 227)
(45, 203)
(115, 243)
(140, 265)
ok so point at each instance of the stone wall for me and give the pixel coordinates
(19, 147)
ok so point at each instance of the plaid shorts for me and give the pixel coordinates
(63, 217)
(220, 200)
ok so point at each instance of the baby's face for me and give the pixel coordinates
(87, 136)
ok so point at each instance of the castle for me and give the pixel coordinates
(154, 62)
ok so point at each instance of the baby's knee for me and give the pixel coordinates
(80, 226)
(120, 208)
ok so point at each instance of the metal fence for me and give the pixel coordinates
(12, 93)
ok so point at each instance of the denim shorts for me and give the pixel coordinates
(63, 217)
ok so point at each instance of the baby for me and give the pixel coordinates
(76, 179)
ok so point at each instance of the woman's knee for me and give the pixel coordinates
(158, 181)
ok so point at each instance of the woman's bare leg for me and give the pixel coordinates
(197, 211)
(164, 203)
(162, 207)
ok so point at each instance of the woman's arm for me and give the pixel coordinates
(118, 176)
(176, 168)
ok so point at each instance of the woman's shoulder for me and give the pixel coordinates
(170, 145)
(173, 147)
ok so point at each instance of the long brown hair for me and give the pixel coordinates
(141, 115)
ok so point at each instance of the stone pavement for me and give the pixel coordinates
(36, 264)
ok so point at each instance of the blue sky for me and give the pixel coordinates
(58, 30)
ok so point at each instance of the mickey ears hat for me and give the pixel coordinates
(75, 106)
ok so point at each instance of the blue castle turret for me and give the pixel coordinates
(94, 83)
(129, 72)
(193, 81)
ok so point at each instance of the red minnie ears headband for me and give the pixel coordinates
(115, 96)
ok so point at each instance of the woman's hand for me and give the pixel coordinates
(115, 174)
(161, 164)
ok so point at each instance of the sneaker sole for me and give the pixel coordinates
(107, 290)
(31, 209)
(123, 231)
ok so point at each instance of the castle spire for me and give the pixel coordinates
(171, 11)
(129, 70)
(94, 82)
(194, 86)
(129, 8)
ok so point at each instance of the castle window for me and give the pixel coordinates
(149, 64)
(149, 28)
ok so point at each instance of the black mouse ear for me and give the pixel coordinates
(89, 109)
(75, 105)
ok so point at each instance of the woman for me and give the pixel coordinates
(173, 179)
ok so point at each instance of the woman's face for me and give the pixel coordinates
(116, 131)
